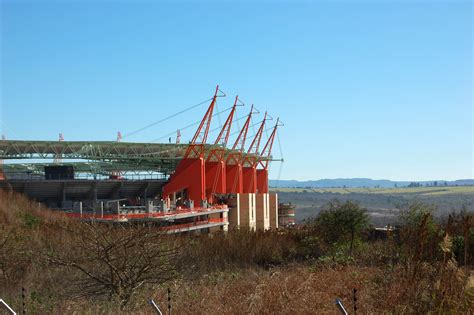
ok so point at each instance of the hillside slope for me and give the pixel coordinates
(361, 182)
(240, 272)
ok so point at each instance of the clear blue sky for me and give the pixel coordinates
(366, 89)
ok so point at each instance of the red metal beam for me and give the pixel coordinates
(234, 181)
(215, 166)
(195, 148)
(249, 165)
(262, 174)
(190, 175)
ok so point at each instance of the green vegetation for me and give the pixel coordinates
(382, 205)
(71, 267)
(340, 222)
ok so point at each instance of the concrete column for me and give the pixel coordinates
(273, 209)
(149, 206)
(234, 211)
(247, 211)
(262, 213)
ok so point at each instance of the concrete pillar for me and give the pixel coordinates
(247, 211)
(253, 222)
(262, 212)
(267, 203)
(234, 211)
(273, 210)
(149, 206)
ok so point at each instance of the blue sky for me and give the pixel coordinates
(365, 89)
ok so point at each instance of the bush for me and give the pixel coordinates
(341, 222)
(113, 261)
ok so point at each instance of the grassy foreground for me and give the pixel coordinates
(421, 269)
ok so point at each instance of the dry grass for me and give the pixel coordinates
(288, 290)
(265, 273)
(301, 289)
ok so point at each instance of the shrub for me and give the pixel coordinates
(341, 222)
(113, 261)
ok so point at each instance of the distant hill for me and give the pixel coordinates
(363, 182)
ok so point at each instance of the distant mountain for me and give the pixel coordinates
(363, 182)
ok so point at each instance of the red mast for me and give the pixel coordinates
(196, 147)
(189, 177)
(262, 174)
(234, 183)
(249, 164)
(215, 165)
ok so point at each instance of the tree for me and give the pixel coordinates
(114, 261)
(342, 222)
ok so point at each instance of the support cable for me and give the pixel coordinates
(191, 125)
(212, 130)
(166, 118)
(253, 125)
(267, 129)
(237, 120)
(218, 116)
(253, 128)
(282, 159)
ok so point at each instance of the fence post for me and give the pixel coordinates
(23, 300)
(169, 301)
(355, 301)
